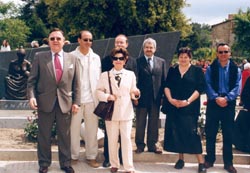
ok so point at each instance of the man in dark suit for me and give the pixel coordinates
(121, 41)
(54, 91)
(151, 76)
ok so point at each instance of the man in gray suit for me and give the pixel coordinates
(54, 91)
(151, 76)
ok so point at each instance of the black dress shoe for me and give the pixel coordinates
(179, 164)
(139, 150)
(201, 168)
(230, 168)
(68, 169)
(208, 164)
(106, 164)
(156, 151)
(43, 169)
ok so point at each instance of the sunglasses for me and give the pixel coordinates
(86, 40)
(225, 52)
(118, 58)
(55, 38)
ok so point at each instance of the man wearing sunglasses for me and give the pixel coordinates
(121, 41)
(223, 80)
(54, 91)
(90, 70)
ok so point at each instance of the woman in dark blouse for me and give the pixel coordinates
(183, 86)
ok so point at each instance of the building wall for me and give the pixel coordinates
(223, 32)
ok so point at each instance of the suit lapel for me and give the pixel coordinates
(49, 63)
(65, 66)
(145, 64)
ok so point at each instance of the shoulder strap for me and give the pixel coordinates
(110, 88)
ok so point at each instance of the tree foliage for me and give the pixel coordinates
(34, 15)
(242, 32)
(8, 10)
(15, 31)
(107, 18)
(199, 38)
(12, 29)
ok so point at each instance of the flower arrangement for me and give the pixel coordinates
(31, 129)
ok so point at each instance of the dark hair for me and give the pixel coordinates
(80, 33)
(116, 50)
(56, 29)
(45, 41)
(186, 50)
(221, 44)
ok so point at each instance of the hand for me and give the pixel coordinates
(182, 103)
(221, 101)
(135, 95)
(75, 108)
(174, 102)
(33, 103)
(111, 98)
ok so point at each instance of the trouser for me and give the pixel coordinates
(45, 123)
(90, 136)
(152, 128)
(114, 128)
(225, 116)
(106, 147)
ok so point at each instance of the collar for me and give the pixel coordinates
(59, 53)
(88, 54)
(116, 72)
(152, 57)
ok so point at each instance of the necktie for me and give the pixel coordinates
(149, 64)
(118, 79)
(58, 68)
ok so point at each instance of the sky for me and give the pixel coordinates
(206, 11)
(213, 11)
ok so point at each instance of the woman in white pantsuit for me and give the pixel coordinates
(121, 123)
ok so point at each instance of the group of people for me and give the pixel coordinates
(66, 88)
(183, 87)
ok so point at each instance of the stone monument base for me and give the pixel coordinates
(14, 105)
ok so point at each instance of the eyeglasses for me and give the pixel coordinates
(55, 38)
(87, 39)
(225, 52)
(118, 58)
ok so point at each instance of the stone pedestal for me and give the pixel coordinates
(14, 105)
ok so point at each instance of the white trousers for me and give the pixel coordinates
(91, 126)
(124, 128)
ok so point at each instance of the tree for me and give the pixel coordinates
(15, 31)
(11, 28)
(35, 16)
(199, 38)
(8, 10)
(242, 33)
(107, 18)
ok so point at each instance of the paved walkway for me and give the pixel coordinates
(141, 167)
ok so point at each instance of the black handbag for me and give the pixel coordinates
(105, 110)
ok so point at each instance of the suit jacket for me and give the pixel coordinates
(151, 83)
(94, 71)
(123, 107)
(42, 83)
